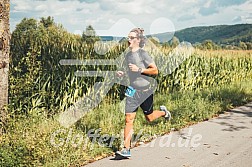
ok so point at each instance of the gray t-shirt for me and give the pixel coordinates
(142, 60)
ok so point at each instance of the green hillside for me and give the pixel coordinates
(218, 34)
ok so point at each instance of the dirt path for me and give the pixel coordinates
(223, 141)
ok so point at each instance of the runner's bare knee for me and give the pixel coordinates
(129, 119)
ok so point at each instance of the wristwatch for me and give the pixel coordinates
(139, 70)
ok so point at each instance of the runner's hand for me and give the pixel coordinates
(133, 67)
(120, 73)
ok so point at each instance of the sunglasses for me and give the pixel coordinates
(130, 38)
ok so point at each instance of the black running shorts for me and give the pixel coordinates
(144, 99)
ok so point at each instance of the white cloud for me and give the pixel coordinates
(246, 7)
(40, 8)
(237, 19)
(75, 15)
(207, 4)
(243, 19)
(21, 6)
(244, 13)
(186, 17)
(119, 28)
(136, 7)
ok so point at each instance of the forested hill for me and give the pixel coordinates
(218, 34)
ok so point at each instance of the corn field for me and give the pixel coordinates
(40, 85)
(208, 68)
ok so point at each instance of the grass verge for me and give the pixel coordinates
(41, 141)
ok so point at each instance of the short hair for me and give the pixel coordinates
(138, 31)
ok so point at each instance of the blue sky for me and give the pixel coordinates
(117, 17)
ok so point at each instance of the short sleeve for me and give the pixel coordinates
(147, 58)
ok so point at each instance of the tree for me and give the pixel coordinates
(47, 22)
(208, 44)
(249, 45)
(89, 35)
(242, 45)
(4, 58)
(174, 42)
(22, 38)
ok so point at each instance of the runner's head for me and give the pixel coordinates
(136, 38)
